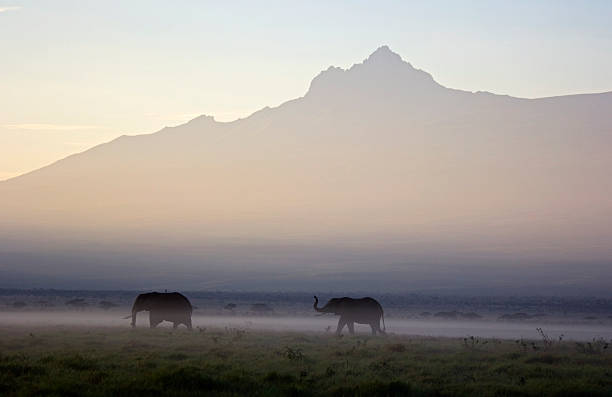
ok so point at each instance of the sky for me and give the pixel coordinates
(74, 74)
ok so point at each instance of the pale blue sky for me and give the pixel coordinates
(77, 73)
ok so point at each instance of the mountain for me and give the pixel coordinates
(377, 175)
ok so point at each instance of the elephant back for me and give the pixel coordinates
(172, 301)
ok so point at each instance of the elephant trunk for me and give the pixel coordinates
(316, 302)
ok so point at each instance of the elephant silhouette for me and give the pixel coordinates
(171, 306)
(351, 311)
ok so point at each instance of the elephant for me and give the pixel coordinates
(360, 311)
(168, 306)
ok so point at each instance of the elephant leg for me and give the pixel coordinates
(188, 323)
(351, 327)
(154, 320)
(376, 328)
(341, 324)
(175, 324)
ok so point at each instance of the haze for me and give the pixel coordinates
(377, 176)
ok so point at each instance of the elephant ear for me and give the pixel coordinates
(336, 305)
(343, 305)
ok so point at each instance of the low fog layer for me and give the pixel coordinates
(429, 315)
(377, 179)
(326, 324)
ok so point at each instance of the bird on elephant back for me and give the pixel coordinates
(351, 311)
(167, 306)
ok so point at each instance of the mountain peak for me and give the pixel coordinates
(384, 54)
(382, 71)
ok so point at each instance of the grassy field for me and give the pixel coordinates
(226, 362)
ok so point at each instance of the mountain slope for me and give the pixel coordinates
(379, 154)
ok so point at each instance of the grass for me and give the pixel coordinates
(239, 362)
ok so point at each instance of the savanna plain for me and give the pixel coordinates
(232, 361)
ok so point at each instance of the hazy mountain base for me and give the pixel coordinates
(233, 361)
(378, 178)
